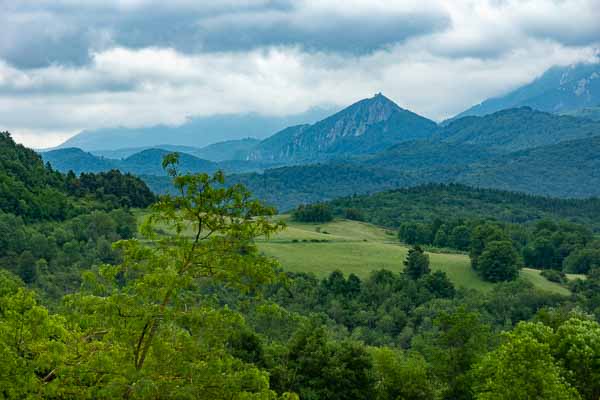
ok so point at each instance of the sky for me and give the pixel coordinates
(69, 65)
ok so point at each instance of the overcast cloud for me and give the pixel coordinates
(67, 65)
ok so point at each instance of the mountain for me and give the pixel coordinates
(558, 90)
(77, 160)
(120, 154)
(220, 151)
(517, 129)
(368, 126)
(145, 162)
(196, 132)
(149, 162)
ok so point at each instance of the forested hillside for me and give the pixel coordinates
(194, 310)
(517, 129)
(427, 202)
(54, 226)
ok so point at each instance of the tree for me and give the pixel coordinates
(582, 261)
(460, 340)
(401, 376)
(439, 284)
(460, 238)
(148, 328)
(577, 347)
(317, 368)
(499, 262)
(480, 237)
(522, 368)
(416, 264)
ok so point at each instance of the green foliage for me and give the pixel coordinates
(36, 192)
(400, 376)
(522, 368)
(317, 368)
(583, 260)
(456, 203)
(147, 315)
(312, 213)
(499, 262)
(416, 264)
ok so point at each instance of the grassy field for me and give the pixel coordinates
(359, 248)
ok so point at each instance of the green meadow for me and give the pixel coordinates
(359, 248)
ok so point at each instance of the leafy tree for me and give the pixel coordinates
(416, 264)
(577, 347)
(439, 284)
(147, 318)
(522, 368)
(583, 260)
(317, 368)
(499, 262)
(459, 340)
(33, 344)
(460, 237)
(401, 376)
(480, 237)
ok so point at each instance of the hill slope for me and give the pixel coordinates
(36, 192)
(566, 169)
(558, 90)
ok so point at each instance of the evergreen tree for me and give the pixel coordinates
(416, 264)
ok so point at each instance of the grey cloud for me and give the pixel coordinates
(65, 33)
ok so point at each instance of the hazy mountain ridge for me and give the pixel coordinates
(558, 90)
(195, 132)
(145, 162)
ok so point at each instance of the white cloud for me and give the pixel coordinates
(489, 48)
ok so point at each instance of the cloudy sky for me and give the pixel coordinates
(68, 65)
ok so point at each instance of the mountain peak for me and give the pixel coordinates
(366, 126)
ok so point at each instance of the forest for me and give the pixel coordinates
(94, 305)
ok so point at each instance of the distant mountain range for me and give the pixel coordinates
(145, 162)
(195, 132)
(220, 151)
(558, 90)
(374, 145)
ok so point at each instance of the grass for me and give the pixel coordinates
(359, 248)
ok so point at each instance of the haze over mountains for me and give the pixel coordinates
(374, 144)
(559, 90)
(196, 131)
